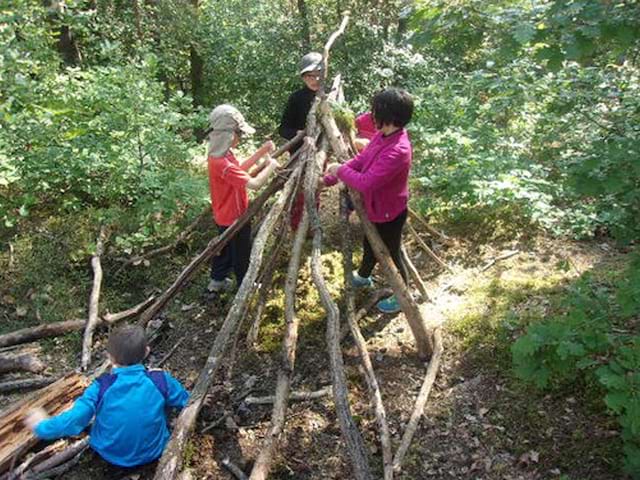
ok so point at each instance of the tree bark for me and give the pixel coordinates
(262, 466)
(350, 433)
(24, 363)
(171, 461)
(421, 401)
(32, 334)
(422, 336)
(369, 374)
(15, 437)
(92, 321)
(293, 397)
(26, 384)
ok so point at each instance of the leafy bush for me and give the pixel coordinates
(593, 338)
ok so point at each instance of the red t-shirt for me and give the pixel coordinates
(228, 187)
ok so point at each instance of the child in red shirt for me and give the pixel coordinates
(228, 183)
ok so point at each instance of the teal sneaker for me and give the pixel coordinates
(360, 282)
(389, 305)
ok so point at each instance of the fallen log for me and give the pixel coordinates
(92, 321)
(55, 329)
(421, 401)
(60, 462)
(262, 465)
(293, 397)
(35, 459)
(15, 437)
(423, 339)
(23, 363)
(171, 461)
(352, 438)
(216, 245)
(26, 384)
(369, 374)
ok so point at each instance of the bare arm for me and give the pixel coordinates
(265, 149)
(255, 183)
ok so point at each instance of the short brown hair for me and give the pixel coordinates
(127, 344)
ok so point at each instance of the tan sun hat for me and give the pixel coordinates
(224, 120)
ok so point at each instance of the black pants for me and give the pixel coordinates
(391, 234)
(235, 255)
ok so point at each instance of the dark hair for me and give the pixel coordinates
(393, 106)
(127, 345)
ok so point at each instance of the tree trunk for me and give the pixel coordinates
(306, 30)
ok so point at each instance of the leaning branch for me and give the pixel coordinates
(421, 401)
(171, 461)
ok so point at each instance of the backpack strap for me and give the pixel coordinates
(160, 381)
(104, 382)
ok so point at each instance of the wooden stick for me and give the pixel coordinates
(369, 374)
(57, 471)
(266, 286)
(424, 343)
(499, 258)
(65, 455)
(329, 44)
(24, 363)
(293, 397)
(171, 461)
(421, 401)
(35, 459)
(55, 329)
(234, 469)
(415, 276)
(426, 248)
(350, 433)
(441, 236)
(166, 357)
(262, 465)
(216, 245)
(92, 321)
(26, 384)
(182, 237)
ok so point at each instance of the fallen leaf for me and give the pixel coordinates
(21, 311)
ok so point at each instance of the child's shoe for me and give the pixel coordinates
(389, 305)
(218, 286)
(360, 282)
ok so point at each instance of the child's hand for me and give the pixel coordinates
(34, 417)
(268, 147)
(332, 168)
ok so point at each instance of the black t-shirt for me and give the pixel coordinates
(294, 117)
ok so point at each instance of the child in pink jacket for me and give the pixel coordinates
(380, 173)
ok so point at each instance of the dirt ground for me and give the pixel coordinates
(479, 422)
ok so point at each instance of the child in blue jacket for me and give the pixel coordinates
(127, 406)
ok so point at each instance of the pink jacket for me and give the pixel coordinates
(381, 173)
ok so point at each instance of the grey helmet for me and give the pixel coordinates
(311, 62)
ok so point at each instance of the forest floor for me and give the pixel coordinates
(479, 423)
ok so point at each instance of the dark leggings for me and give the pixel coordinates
(235, 255)
(391, 234)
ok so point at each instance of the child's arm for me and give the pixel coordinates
(69, 423)
(266, 148)
(255, 183)
(177, 396)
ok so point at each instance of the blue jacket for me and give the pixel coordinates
(130, 427)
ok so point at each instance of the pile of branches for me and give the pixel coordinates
(298, 176)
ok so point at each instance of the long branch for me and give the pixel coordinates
(361, 344)
(262, 465)
(171, 461)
